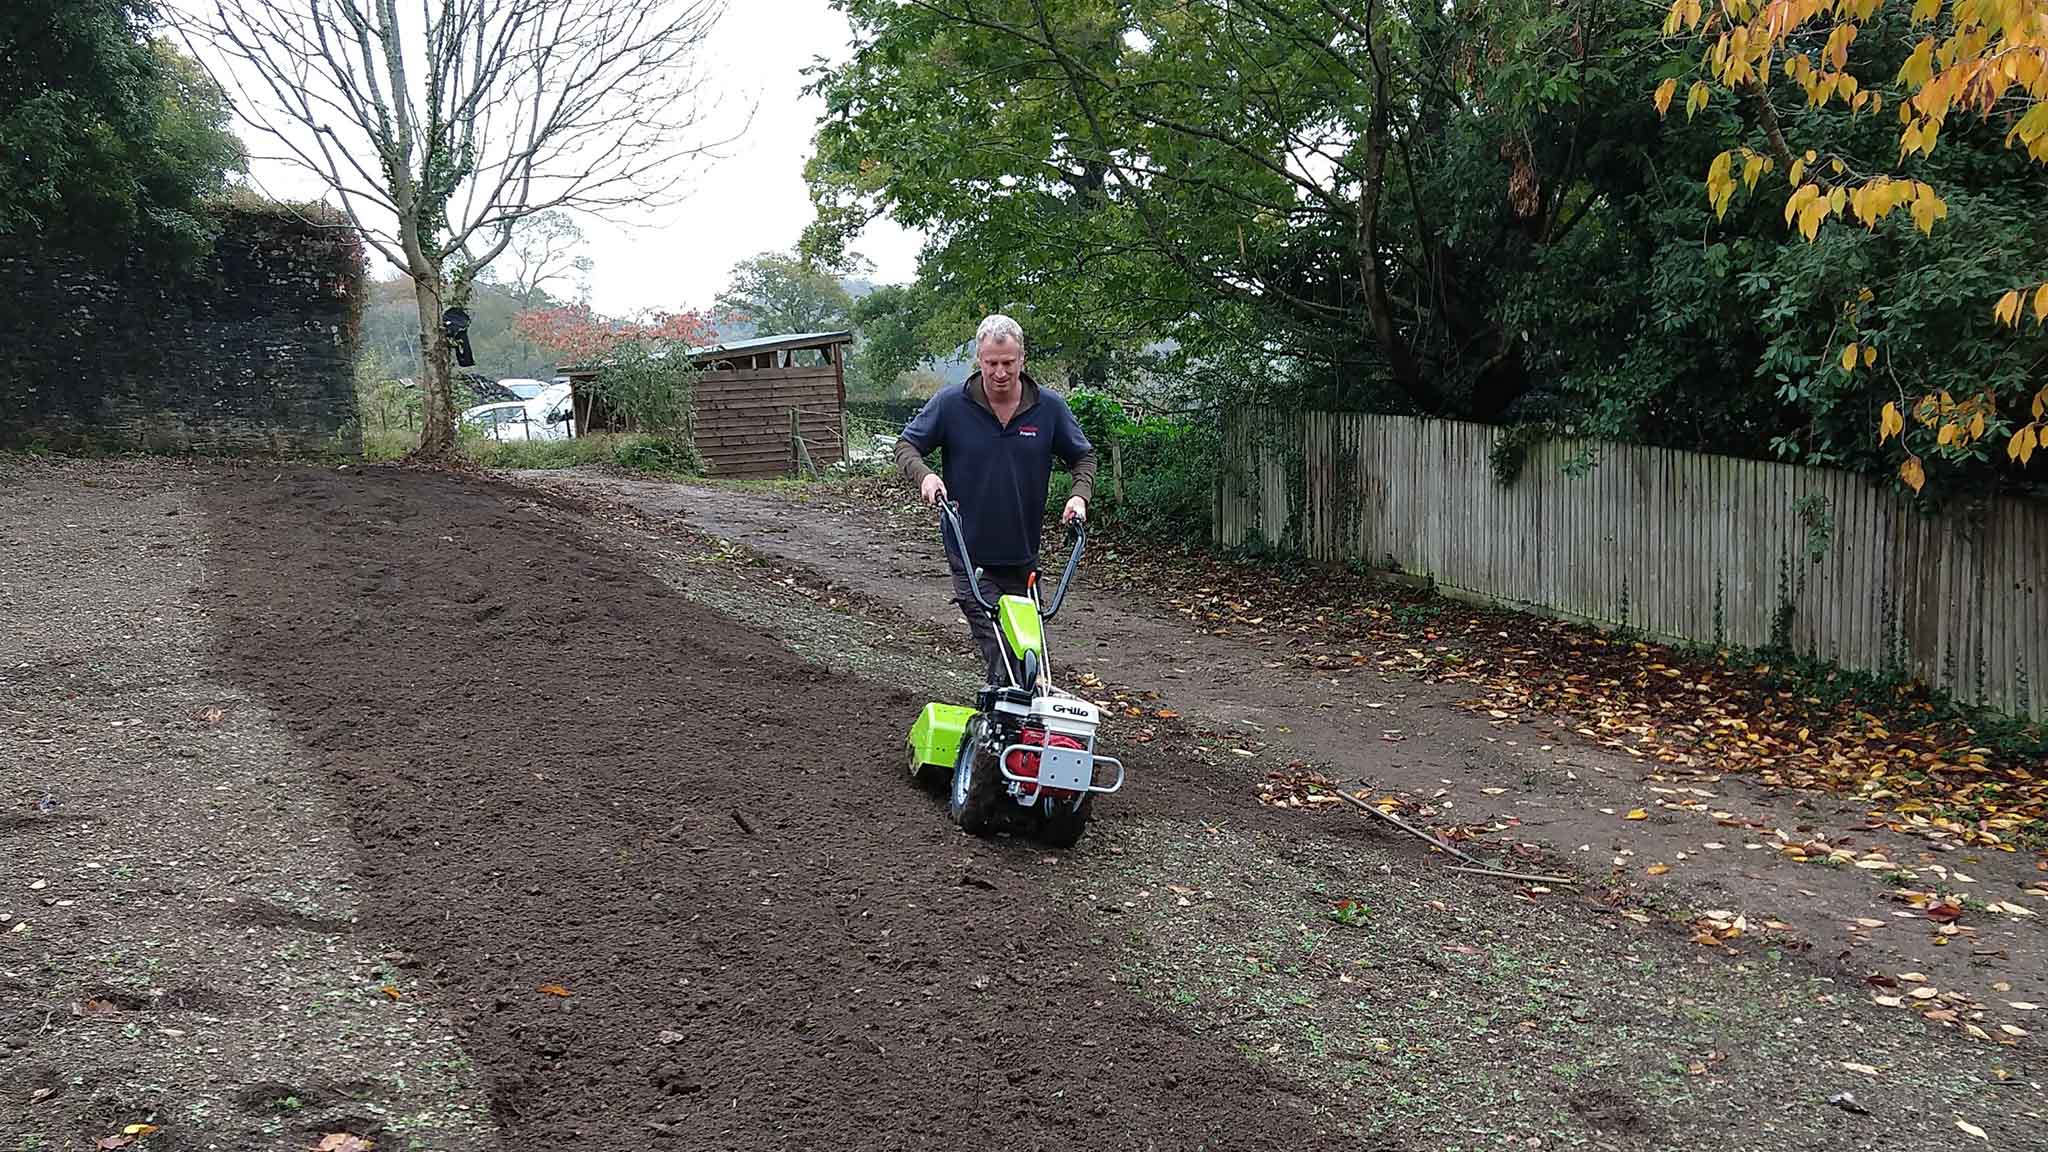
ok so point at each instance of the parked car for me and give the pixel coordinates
(525, 388)
(545, 416)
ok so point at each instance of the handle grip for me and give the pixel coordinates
(949, 521)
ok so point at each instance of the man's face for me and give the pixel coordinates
(1001, 361)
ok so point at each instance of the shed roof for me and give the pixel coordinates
(748, 347)
(773, 344)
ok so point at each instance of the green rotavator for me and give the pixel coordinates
(1023, 758)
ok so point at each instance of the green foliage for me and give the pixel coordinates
(888, 324)
(110, 139)
(384, 405)
(647, 386)
(1463, 210)
(1169, 481)
(660, 454)
(780, 294)
(635, 452)
(1169, 473)
(1101, 417)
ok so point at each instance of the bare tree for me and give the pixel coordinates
(544, 249)
(440, 133)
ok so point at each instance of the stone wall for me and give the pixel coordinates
(250, 352)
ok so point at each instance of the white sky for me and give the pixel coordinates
(751, 200)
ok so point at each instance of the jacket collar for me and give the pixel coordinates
(979, 395)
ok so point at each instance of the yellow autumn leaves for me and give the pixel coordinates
(1956, 424)
(1695, 97)
(1988, 56)
(1721, 177)
(2007, 310)
(2033, 435)
(1810, 204)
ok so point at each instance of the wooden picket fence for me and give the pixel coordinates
(1677, 545)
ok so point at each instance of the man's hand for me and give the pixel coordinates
(933, 489)
(1077, 509)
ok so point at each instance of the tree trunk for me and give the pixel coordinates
(437, 396)
(1379, 309)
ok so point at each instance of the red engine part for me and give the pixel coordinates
(1025, 764)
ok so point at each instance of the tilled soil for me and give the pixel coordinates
(1532, 779)
(667, 875)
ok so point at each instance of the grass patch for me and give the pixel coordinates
(633, 452)
(383, 447)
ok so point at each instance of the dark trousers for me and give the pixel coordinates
(995, 582)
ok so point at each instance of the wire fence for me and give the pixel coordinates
(870, 442)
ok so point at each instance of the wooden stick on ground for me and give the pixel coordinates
(1397, 822)
(1528, 876)
(1476, 868)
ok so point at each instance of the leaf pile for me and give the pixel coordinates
(1922, 772)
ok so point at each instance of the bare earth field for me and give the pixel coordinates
(453, 812)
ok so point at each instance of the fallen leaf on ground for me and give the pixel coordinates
(2022, 1006)
(343, 1142)
(1972, 1129)
(1925, 992)
(1658, 869)
(390, 990)
(1866, 1069)
(552, 990)
(1494, 791)
(128, 1135)
(1636, 814)
(1931, 776)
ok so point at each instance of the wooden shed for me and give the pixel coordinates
(770, 406)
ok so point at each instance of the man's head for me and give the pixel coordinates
(999, 353)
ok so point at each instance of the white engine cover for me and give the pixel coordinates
(1058, 712)
(1071, 709)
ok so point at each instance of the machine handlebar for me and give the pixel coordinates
(949, 523)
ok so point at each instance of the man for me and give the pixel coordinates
(999, 432)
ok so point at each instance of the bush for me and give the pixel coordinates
(647, 388)
(636, 452)
(658, 454)
(1169, 481)
(1169, 473)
